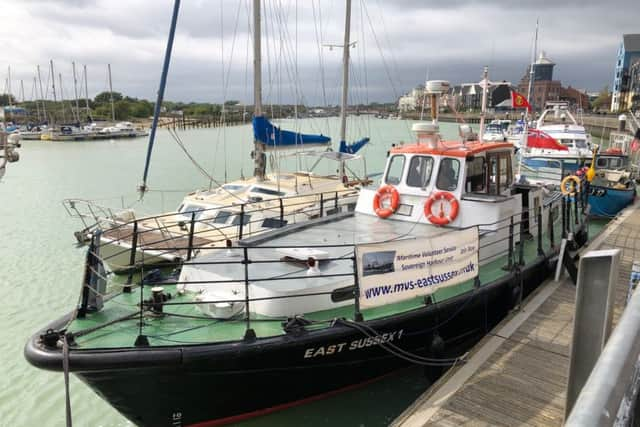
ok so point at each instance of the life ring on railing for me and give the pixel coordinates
(441, 218)
(384, 193)
(575, 187)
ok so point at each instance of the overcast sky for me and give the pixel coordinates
(398, 43)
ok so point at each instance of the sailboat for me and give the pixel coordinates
(238, 208)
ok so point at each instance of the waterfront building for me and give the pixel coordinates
(633, 98)
(411, 100)
(546, 89)
(628, 56)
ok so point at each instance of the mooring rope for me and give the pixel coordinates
(65, 368)
(400, 352)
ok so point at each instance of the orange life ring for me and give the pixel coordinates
(441, 218)
(383, 193)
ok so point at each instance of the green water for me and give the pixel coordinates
(41, 268)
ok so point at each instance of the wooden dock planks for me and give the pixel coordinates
(523, 381)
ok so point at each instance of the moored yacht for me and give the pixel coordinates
(559, 122)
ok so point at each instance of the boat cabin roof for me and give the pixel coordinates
(457, 150)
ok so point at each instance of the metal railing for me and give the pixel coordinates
(609, 398)
(342, 256)
(164, 235)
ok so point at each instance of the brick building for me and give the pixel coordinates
(546, 89)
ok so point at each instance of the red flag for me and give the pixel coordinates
(538, 139)
(519, 101)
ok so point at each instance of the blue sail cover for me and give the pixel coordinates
(352, 148)
(274, 137)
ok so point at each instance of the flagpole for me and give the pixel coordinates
(525, 131)
(485, 89)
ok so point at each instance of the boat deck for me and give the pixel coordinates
(183, 323)
(156, 240)
(517, 375)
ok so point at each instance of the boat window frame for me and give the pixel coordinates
(499, 185)
(413, 167)
(484, 174)
(390, 165)
(457, 173)
(222, 213)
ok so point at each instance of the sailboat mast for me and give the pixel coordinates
(35, 92)
(345, 81)
(532, 72)
(75, 90)
(64, 118)
(163, 83)
(9, 85)
(53, 81)
(259, 156)
(22, 90)
(485, 89)
(113, 110)
(44, 107)
(86, 91)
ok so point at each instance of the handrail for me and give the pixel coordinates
(520, 219)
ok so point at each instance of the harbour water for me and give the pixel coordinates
(41, 267)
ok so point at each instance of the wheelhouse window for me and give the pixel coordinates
(500, 174)
(395, 169)
(476, 175)
(420, 168)
(448, 174)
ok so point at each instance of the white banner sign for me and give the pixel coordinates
(399, 270)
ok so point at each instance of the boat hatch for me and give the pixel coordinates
(186, 210)
(222, 217)
(234, 187)
(267, 191)
(303, 254)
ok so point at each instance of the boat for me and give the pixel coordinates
(425, 265)
(8, 150)
(496, 130)
(120, 130)
(560, 123)
(612, 177)
(234, 209)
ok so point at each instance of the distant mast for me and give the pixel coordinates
(9, 85)
(345, 83)
(75, 90)
(532, 73)
(113, 110)
(35, 91)
(44, 107)
(86, 92)
(64, 117)
(53, 81)
(259, 156)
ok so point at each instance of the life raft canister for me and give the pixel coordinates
(575, 188)
(388, 192)
(441, 218)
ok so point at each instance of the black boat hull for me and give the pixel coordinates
(214, 384)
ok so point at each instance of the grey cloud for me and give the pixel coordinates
(452, 39)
